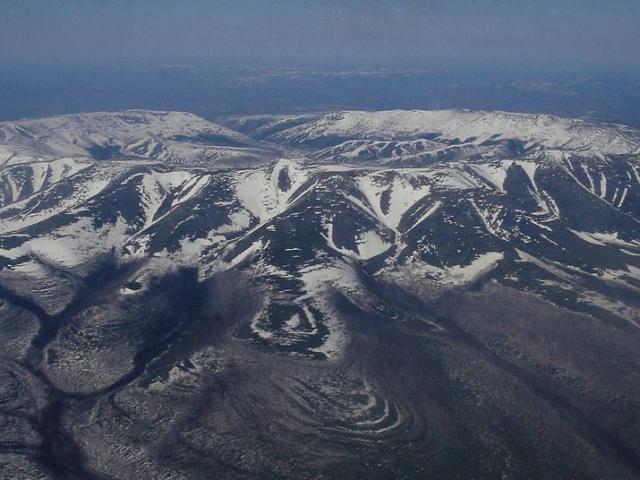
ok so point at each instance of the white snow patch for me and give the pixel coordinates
(604, 238)
(370, 244)
(73, 245)
(493, 174)
(260, 193)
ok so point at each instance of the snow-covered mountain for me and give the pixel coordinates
(170, 137)
(405, 287)
(351, 133)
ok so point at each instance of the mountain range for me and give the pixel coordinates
(357, 294)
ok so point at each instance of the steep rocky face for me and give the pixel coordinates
(386, 294)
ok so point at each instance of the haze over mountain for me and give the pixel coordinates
(286, 31)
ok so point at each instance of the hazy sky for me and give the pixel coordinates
(306, 31)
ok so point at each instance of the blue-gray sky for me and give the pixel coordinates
(376, 31)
